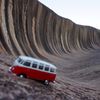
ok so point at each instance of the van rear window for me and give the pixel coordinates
(52, 70)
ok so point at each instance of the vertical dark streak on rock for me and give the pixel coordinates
(2, 39)
(7, 25)
(39, 31)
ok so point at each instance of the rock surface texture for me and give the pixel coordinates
(27, 27)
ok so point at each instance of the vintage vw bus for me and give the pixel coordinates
(29, 67)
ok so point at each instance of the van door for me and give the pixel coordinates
(27, 66)
(33, 70)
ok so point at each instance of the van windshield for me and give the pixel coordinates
(19, 60)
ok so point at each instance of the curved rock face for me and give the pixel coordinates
(28, 27)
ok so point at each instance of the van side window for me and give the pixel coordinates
(34, 65)
(27, 63)
(41, 66)
(46, 68)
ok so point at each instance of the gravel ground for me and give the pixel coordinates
(68, 86)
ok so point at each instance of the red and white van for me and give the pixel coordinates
(29, 67)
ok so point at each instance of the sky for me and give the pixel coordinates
(83, 12)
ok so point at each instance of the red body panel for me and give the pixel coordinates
(33, 74)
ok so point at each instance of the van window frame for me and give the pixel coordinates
(45, 67)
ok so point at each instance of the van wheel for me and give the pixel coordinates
(22, 76)
(46, 82)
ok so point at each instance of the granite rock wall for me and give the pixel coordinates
(28, 27)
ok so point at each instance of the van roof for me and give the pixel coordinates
(38, 60)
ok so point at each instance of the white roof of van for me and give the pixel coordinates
(38, 60)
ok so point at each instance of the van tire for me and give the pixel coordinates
(22, 75)
(46, 82)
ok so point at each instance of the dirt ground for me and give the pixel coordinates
(78, 78)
